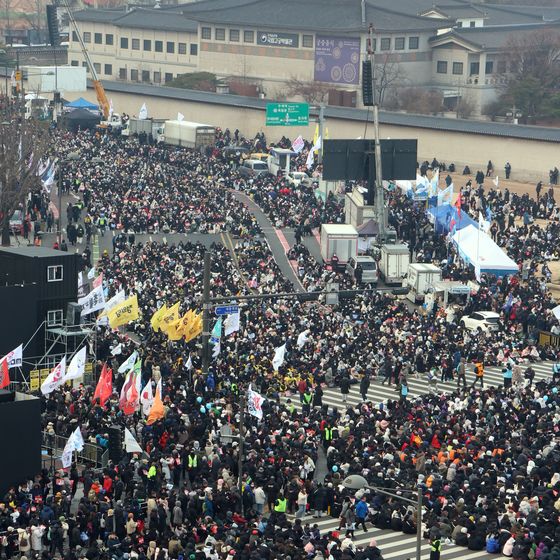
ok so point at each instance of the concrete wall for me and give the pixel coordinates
(530, 160)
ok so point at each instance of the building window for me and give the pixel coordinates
(98, 38)
(307, 41)
(145, 75)
(413, 43)
(108, 38)
(87, 37)
(108, 70)
(206, 33)
(248, 36)
(399, 43)
(158, 46)
(475, 68)
(182, 48)
(442, 67)
(220, 34)
(74, 63)
(135, 44)
(124, 42)
(122, 73)
(55, 273)
(134, 75)
(234, 35)
(74, 36)
(97, 67)
(473, 24)
(374, 44)
(459, 24)
(170, 47)
(147, 45)
(157, 77)
(85, 65)
(194, 49)
(54, 317)
(168, 77)
(489, 69)
(501, 66)
(386, 44)
(458, 68)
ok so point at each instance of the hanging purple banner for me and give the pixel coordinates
(337, 59)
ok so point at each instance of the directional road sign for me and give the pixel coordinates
(287, 114)
(226, 309)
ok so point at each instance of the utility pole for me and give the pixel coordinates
(59, 228)
(321, 121)
(419, 523)
(206, 307)
(379, 193)
(241, 445)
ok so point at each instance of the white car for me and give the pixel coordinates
(483, 320)
(298, 177)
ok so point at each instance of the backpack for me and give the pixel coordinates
(492, 545)
(23, 541)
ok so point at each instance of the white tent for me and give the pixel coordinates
(478, 249)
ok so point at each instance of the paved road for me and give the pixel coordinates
(398, 546)
(418, 386)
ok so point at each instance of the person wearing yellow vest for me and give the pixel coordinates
(192, 465)
(327, 435)
(151, 476)
(435, 548)
(479, 373)
(281, 504)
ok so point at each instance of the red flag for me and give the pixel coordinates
(104, 387)
(129, 395)
(458, 203)
(4, 373)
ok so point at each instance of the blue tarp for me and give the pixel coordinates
(446, 219)
(81, 103)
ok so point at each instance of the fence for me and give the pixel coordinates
(92, 454)
(546, 338)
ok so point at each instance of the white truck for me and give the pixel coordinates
(421, 278)
(394, 262)
(189, 134)
(148, 126)
(339, 239)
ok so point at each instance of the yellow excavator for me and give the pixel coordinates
(106, 110)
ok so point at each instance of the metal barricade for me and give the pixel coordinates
(92, 454)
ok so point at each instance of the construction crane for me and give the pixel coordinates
(98, 86)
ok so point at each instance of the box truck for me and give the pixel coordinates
(420, 279)
(341, 239)
(394, 262)
(189, 134)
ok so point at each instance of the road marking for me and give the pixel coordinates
(95, 249)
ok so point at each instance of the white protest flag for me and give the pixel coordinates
(556, 312)
(434, 183)
(93, 302)
(91, 273)
(111, 108)
(445, 196)
(147, 398)
(314, 150)
(119, 297)
(482, 223)
(231, 324)
(189, 363)
(216, 350)
(66, 458)
(77, 365)
(117, 349)
(298, 144)
(130, 443)
(477, 272)
(14, 358)
(302, 339)
(278, 359)
(254, 403)
(78, 439)
(55, 378)
(180, 117)
(422, 184)
(143, 113)
(128, 363)
(496, 181)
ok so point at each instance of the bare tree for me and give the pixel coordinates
(312, 92)
(23, 143)
(388, 75)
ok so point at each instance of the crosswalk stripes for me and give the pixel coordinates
(379, 393)
(398, 546)
(393, 545)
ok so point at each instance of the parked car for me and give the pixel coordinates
(16, 222)
(252, 168)
(298, 177)
(370, 272)
(483, 320)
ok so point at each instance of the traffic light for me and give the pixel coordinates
(18, 75)
(367, 85)
(52, 24)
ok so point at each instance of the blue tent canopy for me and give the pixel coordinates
(446, 219)
(81, 103)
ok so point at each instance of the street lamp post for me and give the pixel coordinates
(72, 156)
(358, 482)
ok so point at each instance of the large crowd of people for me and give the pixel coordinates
(485, 459)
